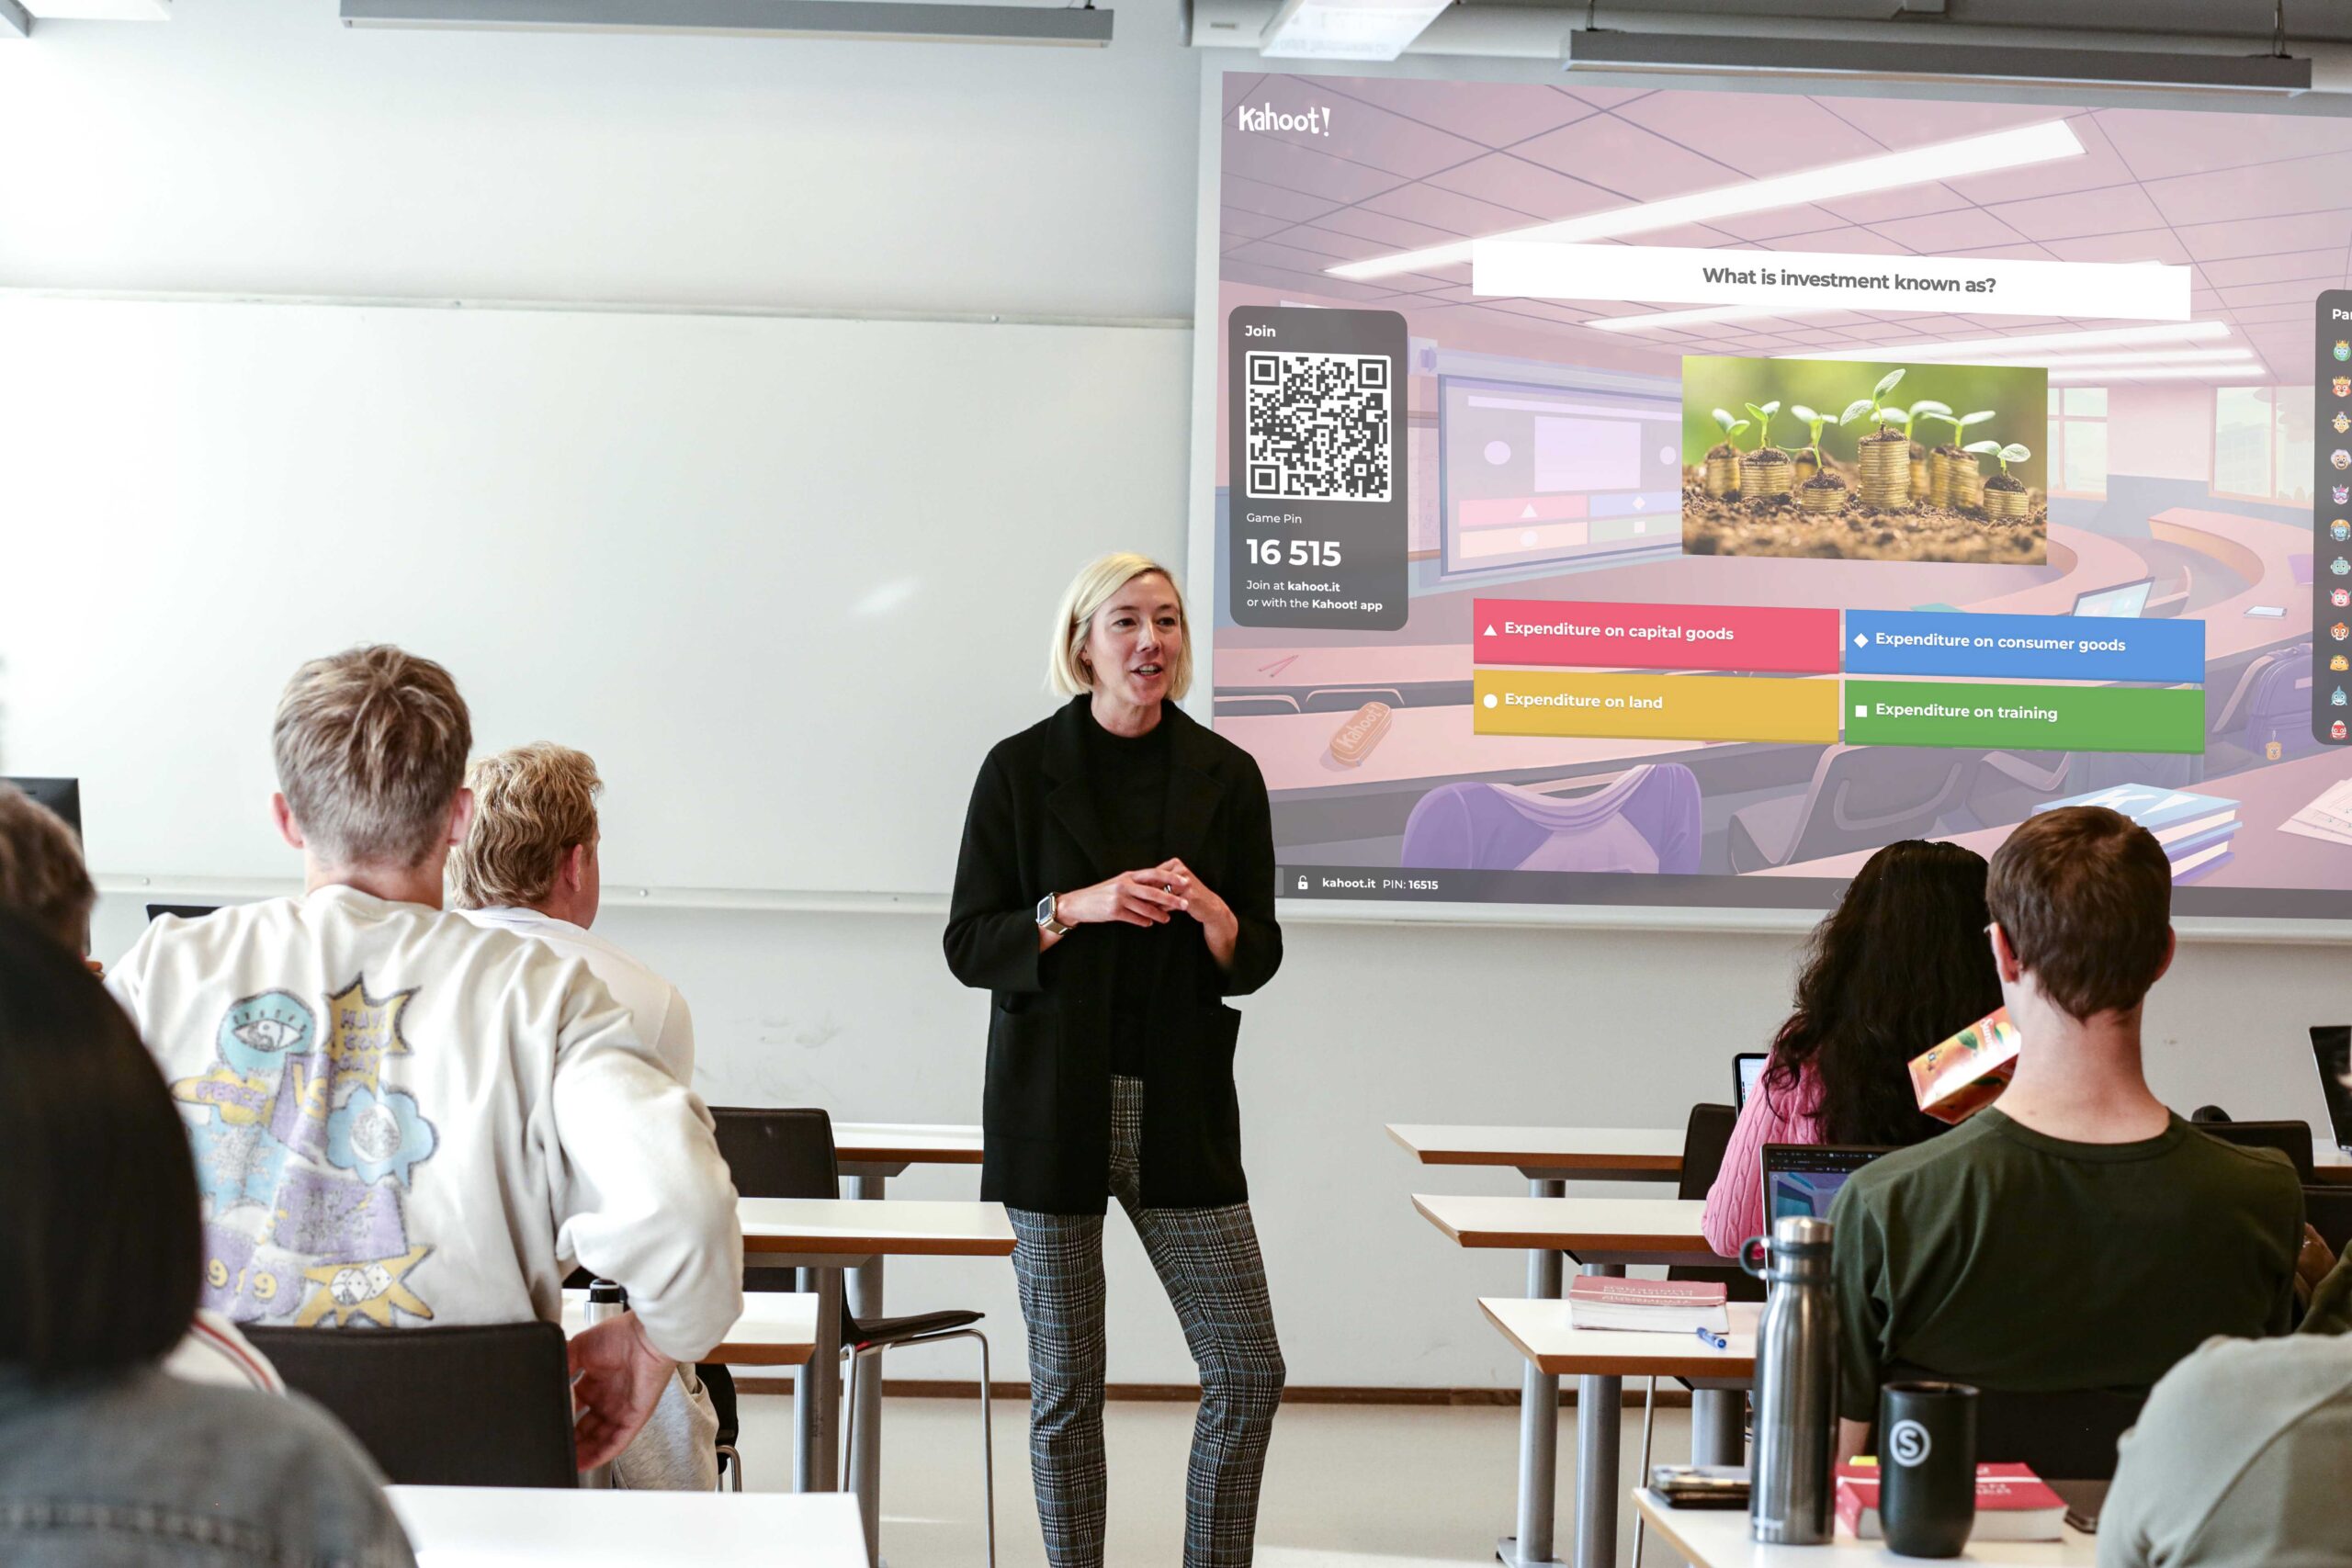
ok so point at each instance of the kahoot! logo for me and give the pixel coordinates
(1316, 121)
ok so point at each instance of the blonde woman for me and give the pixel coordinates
(1116, 883)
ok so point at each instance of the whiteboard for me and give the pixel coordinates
(785, 578)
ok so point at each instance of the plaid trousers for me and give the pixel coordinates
(1208, 1262)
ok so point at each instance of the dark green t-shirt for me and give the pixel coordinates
(2014, 1261)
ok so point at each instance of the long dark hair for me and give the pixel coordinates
(98, 1189)
(1902, 963)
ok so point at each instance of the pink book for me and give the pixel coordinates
(1664, 1307)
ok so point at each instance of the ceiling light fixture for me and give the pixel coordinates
(899, 21)
(1346, 29)
(1927, 349)
(14, 20)
(2103, 361)
(2008, 149)
(2253, 371)
(1705, 53)
(1664, 320)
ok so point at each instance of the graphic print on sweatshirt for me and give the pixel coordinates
(302, 1154)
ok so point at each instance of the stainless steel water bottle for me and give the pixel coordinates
(1796, 1385)
(604, 1300)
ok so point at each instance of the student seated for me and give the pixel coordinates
(1899, 964)
(529, 864)
(401, 1117)
(104, 1459)
(2075, 1234)
(42, 879)
(2238, 1460)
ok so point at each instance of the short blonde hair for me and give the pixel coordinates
(41, 874)
(371, 748)
(1091, 588)
(531, 805)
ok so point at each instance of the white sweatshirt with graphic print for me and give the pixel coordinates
(399, 1117)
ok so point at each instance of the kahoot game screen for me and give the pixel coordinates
(1671, 497)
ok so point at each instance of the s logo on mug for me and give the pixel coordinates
(1908, 1443)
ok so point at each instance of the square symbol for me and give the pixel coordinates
(1862, 710)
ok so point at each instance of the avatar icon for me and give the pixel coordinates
(2342, 421)
(2336, 699)
(2342, 494)
(2339, 530)
(2335, 731)
(2343, 349)
(2343, 386)
(2340, 457)
(2341, 567)
(2338, 665)
(2272, 750)
(2341, 598)
(2339, 631)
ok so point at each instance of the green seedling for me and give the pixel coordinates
(1925, 408)
(2005, 455)
(1764, 422)
(1958, 421)
(1731, 426)
(1873, 407)
(1813, 426)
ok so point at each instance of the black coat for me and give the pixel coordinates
(1033, 831)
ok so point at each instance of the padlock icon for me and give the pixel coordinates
(1302, 882)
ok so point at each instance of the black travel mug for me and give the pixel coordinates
(1927, 1466)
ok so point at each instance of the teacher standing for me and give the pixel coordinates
(1116, 883)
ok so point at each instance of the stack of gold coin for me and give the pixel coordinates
(1967, 485)
(1723, 471)
(1816, 496)
(1886, 470)
(1766, 474)
(2007, 503)
(1941, 463)
(1918, 471)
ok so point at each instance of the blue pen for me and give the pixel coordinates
(1707, 1337)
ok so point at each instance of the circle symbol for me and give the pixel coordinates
(1499, 453)
(1909, 1443)
(1490, 699)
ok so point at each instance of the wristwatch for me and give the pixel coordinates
(1046, 921)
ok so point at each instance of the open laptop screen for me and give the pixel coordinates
(2331, 1045)
(1802, 1178)
(1748, 1067)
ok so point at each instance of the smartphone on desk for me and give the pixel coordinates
(1701, 1485)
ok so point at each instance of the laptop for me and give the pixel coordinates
(1746, 1067)
(2331, 1048)
(60, 795)
(184, 912)
(2125, 601)
(1802, 1178)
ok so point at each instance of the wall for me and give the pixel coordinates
(250, 145)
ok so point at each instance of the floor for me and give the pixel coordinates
(1395, 1487)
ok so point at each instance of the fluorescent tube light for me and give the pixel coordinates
(1885, 171)
(1924, 351)
(2253, 371)
(904, 21)
(1936, 61)
(2106, 361)
(1346, 29)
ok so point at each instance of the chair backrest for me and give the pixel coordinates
(1862, 796)
(1704, 1137)
(480, 1405)
(2292, 1139)
(2329, 1212)
(2069, 1435)
(777, 1153)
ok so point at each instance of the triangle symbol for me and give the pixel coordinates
(1529, 512)
(1489, 631)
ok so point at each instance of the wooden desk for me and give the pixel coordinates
(1550, 1156)
(1604, 1235)
(831, 1236)
(514, 1527)
(778, 1328)
(869, 1154)
(1717, 1537)
(1541, 1331)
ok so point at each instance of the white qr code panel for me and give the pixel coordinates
(1318, 426)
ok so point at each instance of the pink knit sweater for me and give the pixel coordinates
(1735, 1202)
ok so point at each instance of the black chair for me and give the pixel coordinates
(2292, 1139)
(719, 1383)
(789, 1153)
(2065, 1436)
(486, 1405)
(2329, 1212)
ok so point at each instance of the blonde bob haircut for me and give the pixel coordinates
(1097, 583)
(532, 806)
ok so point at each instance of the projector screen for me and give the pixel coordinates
(1669, 497)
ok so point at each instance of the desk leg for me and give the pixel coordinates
(1718, 1434)
(817, 1395)
(1599, 1415)
(865, 1440)
(1539, 1420)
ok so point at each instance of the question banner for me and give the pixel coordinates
(2139, 291)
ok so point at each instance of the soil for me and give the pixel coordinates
(1764, 454)
(1824, 482)
(2004, 481)
(1721, 450)
(1722, 525)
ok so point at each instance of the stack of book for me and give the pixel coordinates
(2012, 1503)
(2194, 830)
(2328, 819)
(1660, 1306)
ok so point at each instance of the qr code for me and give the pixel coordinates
(1318, 426)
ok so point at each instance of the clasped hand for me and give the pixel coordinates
(1148, 897)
